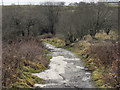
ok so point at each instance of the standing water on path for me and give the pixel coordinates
(66, 70)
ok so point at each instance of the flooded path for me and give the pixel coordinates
(66, 71)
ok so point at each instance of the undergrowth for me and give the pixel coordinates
(22, 57)
(102, 60)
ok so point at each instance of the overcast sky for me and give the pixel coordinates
(22, 2)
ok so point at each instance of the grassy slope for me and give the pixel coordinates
(26, 79)
(99, 71)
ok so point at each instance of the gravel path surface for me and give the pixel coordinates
(66, 71)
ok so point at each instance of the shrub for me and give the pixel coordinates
(15, 53)
(108, 55)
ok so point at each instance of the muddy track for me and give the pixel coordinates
(66, 71)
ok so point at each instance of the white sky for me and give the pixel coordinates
(9, 2)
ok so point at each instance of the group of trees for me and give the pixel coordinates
(87, 19)
(74, 22)
(29, 20)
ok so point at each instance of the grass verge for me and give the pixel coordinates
(97, 56)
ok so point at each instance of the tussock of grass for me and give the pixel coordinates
(103, 36)
(46, 51)
(34, 69)
(99, 83)
(55, 41)
(26, 80)
(97, 74)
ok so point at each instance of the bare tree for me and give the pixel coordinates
(100, 19)
(52, 13)
(93, 18)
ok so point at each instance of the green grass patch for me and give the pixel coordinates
(47, 55)
(25, 79)
(55, 41)
(113, 4)
(46, 51)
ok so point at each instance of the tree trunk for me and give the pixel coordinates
(23, 34)
(52, 31)
(107, 32)
(28, 31)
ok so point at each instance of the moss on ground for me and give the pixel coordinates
(46, 51)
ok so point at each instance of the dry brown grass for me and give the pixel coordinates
(108, 55)
(14, 54)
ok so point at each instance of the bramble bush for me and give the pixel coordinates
(14, 54)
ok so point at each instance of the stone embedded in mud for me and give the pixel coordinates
(85, 78)
(57, 66)
(80, 67)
